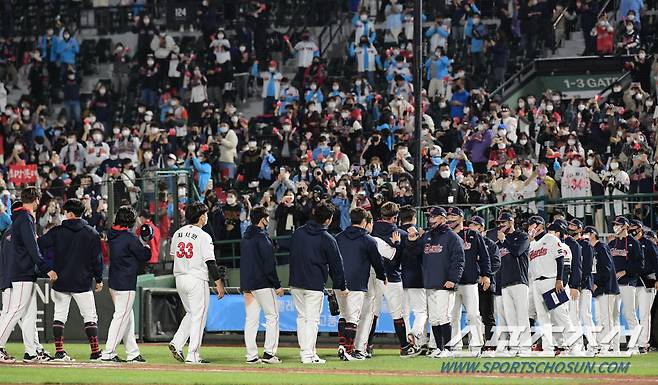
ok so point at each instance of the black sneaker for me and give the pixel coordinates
(113, 359)
(62, 357)
(28, 359)
(643, 350)
(199, 362)
(409, 351)
(44, 355)
(138, 359)
(424, 350)
(178, 355)
(358, 356)
(5, 358)
(95, 356)
(255, 360)
(270, 359)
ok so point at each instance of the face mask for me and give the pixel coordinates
(555, 98)
(67, 36)
(442, 104)
(445, 124)
(102, 91)
(575, 163)
(171, 163)
(329, 168)
(616, 89)
(614, 165)
(147, 21)
(313, 87)
(116, 131)
(571, 142)
(125, 132)
(357, 82)
(476, 21)
(230, 200)
(602, 23)
(649, 103)
(523, 142)
(549, 108)
(286, 128)
(467, 110)
(191, 147)
(220, 35)
(70, 140)
(97, 138)
(364, 17)
(581, 107)
(631, 17)
(150, 62)
(272, 69)
(242, 48)
(71, 77)
(335, 87)
(303, 168)
(590, 162)
(501, 146)
(445, 174)
(502, 133)
(223, 129)
(148, 156)
(629, 28)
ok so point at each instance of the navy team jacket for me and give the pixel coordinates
(650, 271)
(257, 261)
(412, 266)
(587, 251)
(25, 262)
(127, 255)
(628, 256)
(514, 259)
(477, 262)
(78, 256)
(384, 231)
(573, 274)
(605, 277)
(312, 251)
(443, 257)
(359, 252)
(494, 263)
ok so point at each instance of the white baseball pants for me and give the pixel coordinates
(28, 320)
(367, 314)
(394, 295)
(586, 319)
(350, 306)
(195, 296)
(254, 301)
(515, 307)
(627, 293)
(417, 299)
(469, 297)
(308, 304)
(85, 301)
(545, 317)
(439, 306)
(644, 300)
(607, 314)
(122, 327)
(499, 315)
(532, 312)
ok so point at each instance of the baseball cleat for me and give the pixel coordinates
(315, 360)
(28, 359)
(200, 361)
(114, 359)
(95, 356)
(409, 351)
(643, 350)
(358, 356)
(270, 359)
(44, 355)
(255, 360)
(488, 353)
(343, 355)
(62, 357)
(5, 358)
(137, 360)
(178, 355)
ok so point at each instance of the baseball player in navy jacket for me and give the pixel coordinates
(486, 295)
(477, 271)
(606, 291)
(412, 281)
(513, 245)
(260, 283)
(78, 262)
(313, 251)
(645, 292)
(24, 264)
(575, 229)
(629, 263)
(360, 253)
(127, 254)
(384, 229)
(442, 252)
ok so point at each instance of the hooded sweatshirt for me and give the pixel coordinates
(359, 252)
(78, 258)
(442, 252)
(257, 261)
(127, 255)
(314, 254)
(23, 256)
(384, 231)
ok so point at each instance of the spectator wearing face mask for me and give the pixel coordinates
(233, 212)
(228, 143)
(149, 82)
(375, 147)
(282, 184)
(271, 85)
(125, 143)
(305, 50)
(242, 64)
(71, 90)
(634, 98)
(265, 175)
(363, 27)
(145, 31)
(393, 13)
(444, 190)
(73, 152)
(97, 150)
(438, 33)
(604, 33)
(203, 169)
(629, 39)
(437, 73)
(67, 51)
(615, 182)
(477, 146)
(572, 146)
(102, 105)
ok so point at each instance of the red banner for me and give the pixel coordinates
(23, 174)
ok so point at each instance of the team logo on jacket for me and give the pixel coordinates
(538, 253)
(619, 252)
(430, 249)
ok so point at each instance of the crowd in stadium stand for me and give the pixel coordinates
(346, 136)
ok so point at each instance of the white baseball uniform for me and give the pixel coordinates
(644, 297)
(393, 292)
(543, 269)
(28, 323)
(254, 301)
(191, 248)
(608, 308)
(122, 327)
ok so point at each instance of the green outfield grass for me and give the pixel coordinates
(229, 368)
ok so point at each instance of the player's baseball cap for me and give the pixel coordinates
(577, 223)
(436, 212)
(636, 223)
(476, 220)
(455, 211)
(591, 230)
(558, 225)
(621, 221)
(505, 216)
(536, 220)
